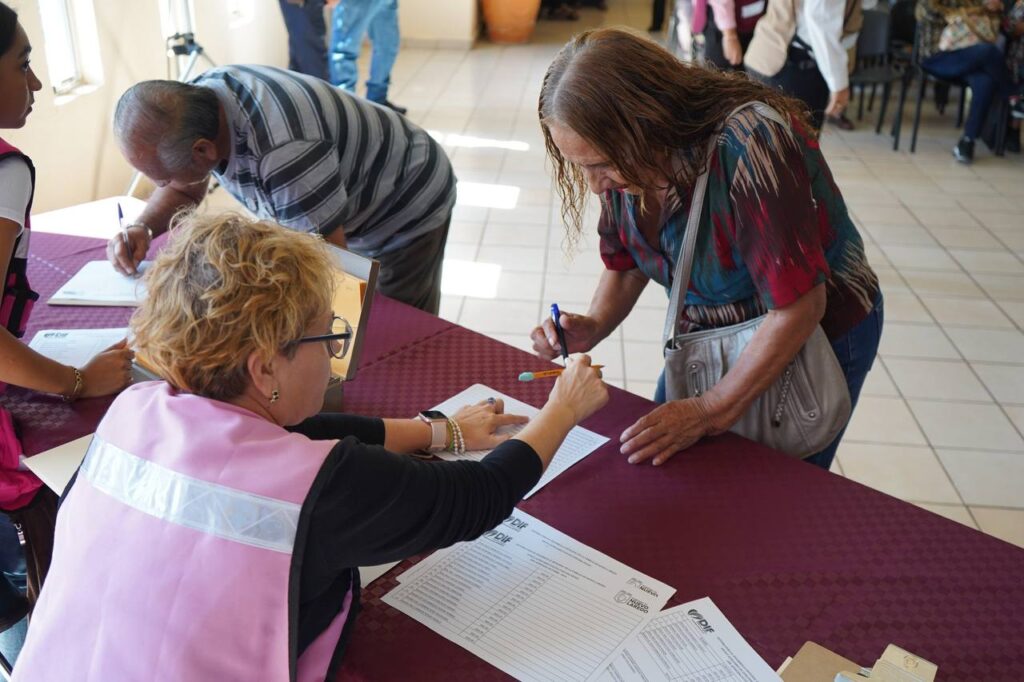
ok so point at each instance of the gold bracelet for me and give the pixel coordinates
(77, 390)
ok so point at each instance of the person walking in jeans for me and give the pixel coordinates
(307, 36)
(351, 20)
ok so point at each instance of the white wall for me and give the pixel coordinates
(439, 23)
(71, 144)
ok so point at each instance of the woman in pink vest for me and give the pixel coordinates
(20, 496)
(215, 526)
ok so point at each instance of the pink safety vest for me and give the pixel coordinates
(175, 551)
(17, 488)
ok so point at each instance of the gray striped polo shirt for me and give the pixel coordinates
(313, 157)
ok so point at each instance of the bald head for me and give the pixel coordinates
(164, 119)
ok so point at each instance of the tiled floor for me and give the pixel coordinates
(941, 420)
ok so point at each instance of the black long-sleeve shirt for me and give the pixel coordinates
(370, 506)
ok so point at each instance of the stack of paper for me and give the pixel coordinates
(97, 283)
(531, 601)
(578, 444)
(75, 347)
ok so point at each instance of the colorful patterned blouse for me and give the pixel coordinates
(774, 226)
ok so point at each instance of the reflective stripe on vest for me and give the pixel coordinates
(217, 510)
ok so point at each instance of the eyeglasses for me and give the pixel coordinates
(337, 341)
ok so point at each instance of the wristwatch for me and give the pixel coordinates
(438, 429)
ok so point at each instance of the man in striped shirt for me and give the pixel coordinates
(298, 151)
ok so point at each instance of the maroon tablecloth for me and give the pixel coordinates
(789, 552)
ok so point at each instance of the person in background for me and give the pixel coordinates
(1015, 65)
(657, 16)
(350, 21)
(728, 32)
(23, 499)
(215, 528)
(307, 36)
(982, 64)
(297, 150)
(774, 238)
(802, 49)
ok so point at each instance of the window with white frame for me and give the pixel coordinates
(72, 46)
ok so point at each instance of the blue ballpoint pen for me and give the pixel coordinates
(555, 314)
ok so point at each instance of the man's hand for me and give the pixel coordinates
(731, 47)
(128, 248)
(837, 102)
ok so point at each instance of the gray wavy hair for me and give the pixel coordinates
(168, 116)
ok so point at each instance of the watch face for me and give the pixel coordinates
(433, 415)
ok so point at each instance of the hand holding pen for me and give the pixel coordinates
(579, 333)
(128, 247)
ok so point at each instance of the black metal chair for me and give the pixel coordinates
(875, 66)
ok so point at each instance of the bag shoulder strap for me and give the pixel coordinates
(684, 264)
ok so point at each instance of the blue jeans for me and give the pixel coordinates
(12, 571)
(352, 19)
(856, 352)
(307, 37)
(983, 67)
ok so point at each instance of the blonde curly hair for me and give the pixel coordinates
(226, 286)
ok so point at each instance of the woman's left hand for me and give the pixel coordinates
(666, 430)
(480, 422)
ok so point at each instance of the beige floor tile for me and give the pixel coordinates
(925, 257)
(644, 361)
(904, 307)
(883, 420)
(890, 280)
(995, 262)
(884, 215)
(879, 382)
(1015, 309)
(1005, 524)
(964, 312)
(953, 512)
(986, 478)
(514, 258)
(954, 238)
(644, 389)
(909, 473)
(509, 317)
(944, 217)
(836, 467)
(937, 379)
(450, 308)
(950, 424)
(999, 220)
(1010, 287)
(945, 283)
(915, 341)
(571, 292)
(1011, 240)
(1005, 381)
(520, 341)
(644, 324)
(520, 286)
(609, 353)
(511, 234)
(465, 233)
(989, 345)
(909, 235)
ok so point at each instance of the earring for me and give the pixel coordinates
(275, 395)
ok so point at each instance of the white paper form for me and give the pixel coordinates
(75, 347)
(97, 283)
(531, 601)
(367, 574)
(692, 642)
(578, 444)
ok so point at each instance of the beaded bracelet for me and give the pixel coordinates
(77, 390)
(458, 444)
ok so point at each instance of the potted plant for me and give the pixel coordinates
(510, 21)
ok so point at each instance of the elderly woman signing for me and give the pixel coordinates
(626, 120)
(214, 529)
